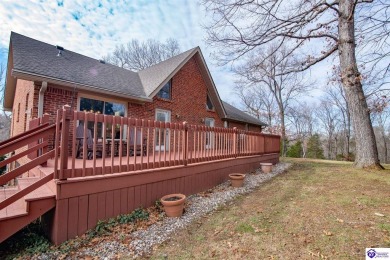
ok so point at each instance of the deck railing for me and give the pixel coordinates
(118, 144)
(32, 143)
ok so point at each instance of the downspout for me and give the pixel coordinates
(41, 98)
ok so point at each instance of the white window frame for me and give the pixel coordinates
(162, 147)
(209, 140)
(91, 96)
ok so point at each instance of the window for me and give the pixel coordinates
(101, 107)
(18, 115)
(27, 99)
(162, 135)
(209, 135)
(165, 92)
(27, 112)
(209, 104)
(225, 124)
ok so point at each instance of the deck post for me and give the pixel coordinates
(235, 146)
(185, 124)
(64, 140)
(44, 119)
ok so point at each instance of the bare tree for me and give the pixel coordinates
(328, 117)
(258, 102)
(336, 95)
(269, 74)
(312, 31)
(137, 55)
(381, 120)
(301, 119)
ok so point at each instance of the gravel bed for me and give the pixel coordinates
(198, 205)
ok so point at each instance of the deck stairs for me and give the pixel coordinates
(27, 192)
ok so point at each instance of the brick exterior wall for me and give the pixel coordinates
(23, 112)
(22, 108)
(188, 99)
(55, 98)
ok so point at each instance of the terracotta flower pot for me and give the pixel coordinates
(237, 179)
(266, 167)
(173, 204)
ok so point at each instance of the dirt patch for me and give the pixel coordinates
(318, 209)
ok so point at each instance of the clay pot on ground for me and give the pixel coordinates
(266, 167)
(237, 179)
(173, 204)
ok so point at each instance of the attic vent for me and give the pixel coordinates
(102, 61)
(60, 49)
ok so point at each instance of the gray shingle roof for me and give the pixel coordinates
(40, 58)
(236, 114)
(155, 75)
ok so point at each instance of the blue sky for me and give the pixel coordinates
(94, 28)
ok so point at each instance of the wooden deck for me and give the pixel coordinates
(78, 192)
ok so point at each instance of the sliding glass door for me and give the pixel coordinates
(106, 108)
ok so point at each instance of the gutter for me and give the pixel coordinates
(41, 98)
(37, 77)
(246, 122)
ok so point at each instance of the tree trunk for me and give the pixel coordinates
(283, 137)
(384, 143)
(366, 149)
(329, 147)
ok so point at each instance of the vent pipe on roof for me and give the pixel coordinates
(60, 49)
(41, 98)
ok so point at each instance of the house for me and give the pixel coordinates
(41, 78)
(145, 133)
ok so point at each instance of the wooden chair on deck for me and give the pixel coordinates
(138, 145)
(80, 143)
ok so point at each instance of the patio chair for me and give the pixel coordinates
(138, 143)
(80, 143)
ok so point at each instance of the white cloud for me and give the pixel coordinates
(94, 28)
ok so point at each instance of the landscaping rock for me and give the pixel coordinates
(199, 205)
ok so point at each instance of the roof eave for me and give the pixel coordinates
(246, 122)
(37, 77)
(9, 89)
(212, 82)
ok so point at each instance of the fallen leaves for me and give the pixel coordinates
(327, 233)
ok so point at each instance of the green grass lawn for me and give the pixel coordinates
(318, 209)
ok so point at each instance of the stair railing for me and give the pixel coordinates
(20, 146)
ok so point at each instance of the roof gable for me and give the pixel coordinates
(156, 76)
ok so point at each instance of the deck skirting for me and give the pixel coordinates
(81, 203)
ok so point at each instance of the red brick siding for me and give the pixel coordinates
(254, 128)
(55, 98)
(23, 87)
(22, 111)
(188, 93)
